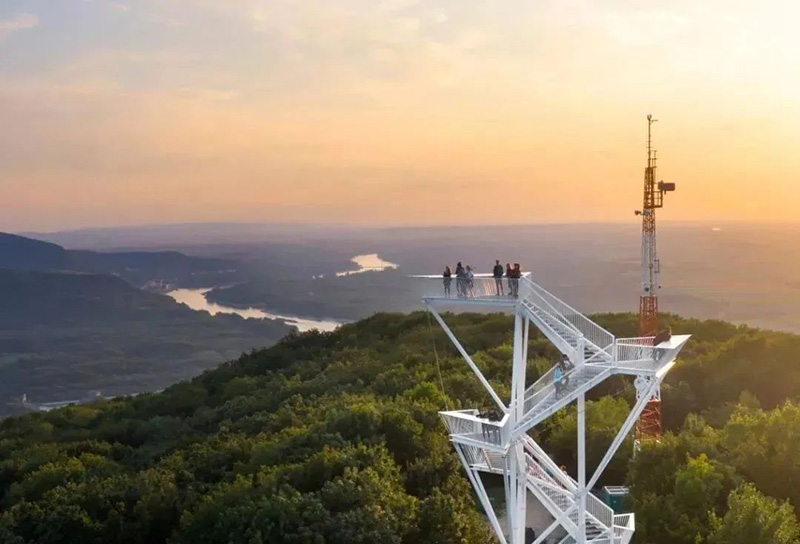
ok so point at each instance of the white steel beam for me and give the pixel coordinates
(550, 528)
(468, 359)
(624, 430)
(581, 469)
(480, 490)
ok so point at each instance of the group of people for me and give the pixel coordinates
(513, 275)
(465, 279)
(561, 375)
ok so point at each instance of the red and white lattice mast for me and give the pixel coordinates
(649, 423)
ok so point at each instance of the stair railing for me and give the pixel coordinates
(556, 337)
(594, 333)
(599, 510)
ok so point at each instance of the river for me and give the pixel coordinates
(196, 300)
(368, 263)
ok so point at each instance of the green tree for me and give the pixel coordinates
(753, 518)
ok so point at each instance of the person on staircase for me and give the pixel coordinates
(497, 272)
(566, 366)
(558, 377)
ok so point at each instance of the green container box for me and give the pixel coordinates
(614, 497)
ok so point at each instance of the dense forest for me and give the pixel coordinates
(334, 439)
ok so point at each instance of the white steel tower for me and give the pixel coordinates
(504, 447)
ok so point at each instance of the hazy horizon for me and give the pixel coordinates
(380, 226)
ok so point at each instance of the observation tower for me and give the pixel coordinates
(505, 448)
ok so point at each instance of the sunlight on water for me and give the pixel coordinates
(368, 263)
(196, 300)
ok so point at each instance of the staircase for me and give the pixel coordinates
(494, 446)
(557, 492)
(542, 399)
(562, 334)
(565, 326)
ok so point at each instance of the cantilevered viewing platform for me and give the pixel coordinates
(482, 290)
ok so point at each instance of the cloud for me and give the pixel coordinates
(119, 6)
(22, 21)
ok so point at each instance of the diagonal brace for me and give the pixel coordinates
(468, 359)
(623, 432)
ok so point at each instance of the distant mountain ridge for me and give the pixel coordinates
(139, 268)
(20, 253)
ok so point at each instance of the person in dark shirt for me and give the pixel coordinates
(510, 278)
(665, 335)
(461, 280)
(497, 272)
(447, 276)
(516, 275)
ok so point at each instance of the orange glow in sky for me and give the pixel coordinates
(394, 111)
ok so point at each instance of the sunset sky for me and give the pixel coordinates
(394, 111)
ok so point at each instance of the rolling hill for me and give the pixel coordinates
(63, 334)
(140, 268)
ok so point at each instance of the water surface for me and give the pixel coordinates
(196, 300)
(368, 263)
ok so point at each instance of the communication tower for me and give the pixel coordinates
(649, 424)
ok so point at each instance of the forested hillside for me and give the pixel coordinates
(64, 334)
(335, 439)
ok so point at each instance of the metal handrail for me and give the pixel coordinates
(564, 343)
(633, 353)
(467, 424)
(599, 510)
(592, 332)
(637, 341)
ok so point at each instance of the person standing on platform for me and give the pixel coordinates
(470, 281)
(461, 287)
(510, 279)
(447, 276)
(516, 275)
(497, 272)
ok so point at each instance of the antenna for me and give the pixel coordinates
(649, 424)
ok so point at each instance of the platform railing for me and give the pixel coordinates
(590, 330)
(624, 527)
(468, 424)
(635, 352)
(480, 287)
